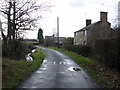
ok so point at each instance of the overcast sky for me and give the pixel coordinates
(72, 15)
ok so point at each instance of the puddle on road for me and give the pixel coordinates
(70, 69)
(77, 69)
(44, 61)
(43, 69)
(33, 50)
(38, 72)
(28, 57)
(44, 64)
(73, 69)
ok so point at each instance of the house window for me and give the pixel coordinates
(84, 33)
(84, 43)
(75, 34)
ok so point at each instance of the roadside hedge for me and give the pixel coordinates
(79, 49)
(107, 51)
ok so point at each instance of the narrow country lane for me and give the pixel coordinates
(57, 71)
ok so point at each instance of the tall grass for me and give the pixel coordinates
(13, 72)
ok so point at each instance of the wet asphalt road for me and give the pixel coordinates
(57, 71)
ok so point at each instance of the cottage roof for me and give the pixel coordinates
(87, 27)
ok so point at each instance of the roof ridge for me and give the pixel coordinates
(84, 28)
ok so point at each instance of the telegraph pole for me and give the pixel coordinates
(58, 31)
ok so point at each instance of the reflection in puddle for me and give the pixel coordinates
(77, 69)
(44, 61)
(70, 69)
(28, 57)
(74, 69)
(33, 50)
(43, 69)
(38, 72)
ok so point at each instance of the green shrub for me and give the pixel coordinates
(14, 72)
(107, 51)
(18, 51)
(79, 49)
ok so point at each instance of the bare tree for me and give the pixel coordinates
(20, 16)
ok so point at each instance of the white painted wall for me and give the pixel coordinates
(80, 38)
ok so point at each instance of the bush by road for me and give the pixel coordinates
(13, 72)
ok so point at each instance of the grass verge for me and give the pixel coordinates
(29, 42)
(104, 76)
(13, 72)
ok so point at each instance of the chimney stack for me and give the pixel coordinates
(88, 22)
(103, 16)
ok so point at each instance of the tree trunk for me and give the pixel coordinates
(14, 17)
(10, 28)
(9, 21)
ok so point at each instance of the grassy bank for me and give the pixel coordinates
(106, 77)
(13, 72)
(29, 42)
